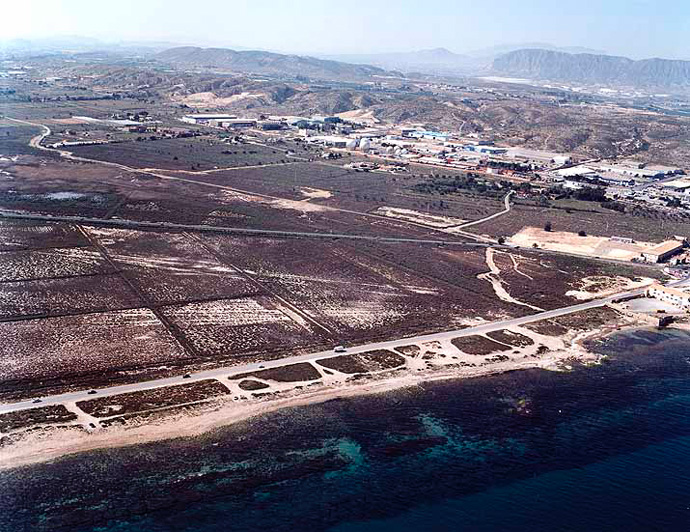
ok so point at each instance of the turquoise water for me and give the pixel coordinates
(604, 448)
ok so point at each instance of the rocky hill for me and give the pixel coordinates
(593, 68)
(266, 63)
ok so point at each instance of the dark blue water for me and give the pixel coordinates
(603, 448)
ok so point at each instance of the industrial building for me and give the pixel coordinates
(237, 123)
(429, 135)
(488, 150)
(331, 141)
(203, 119)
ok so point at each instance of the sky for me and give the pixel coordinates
(634, 28)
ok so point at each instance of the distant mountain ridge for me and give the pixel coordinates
(593, 68)
(442, 61)
(260, 62)
(433, 61)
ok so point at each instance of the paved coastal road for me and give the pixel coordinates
(224, 373)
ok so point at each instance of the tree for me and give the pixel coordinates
(547, 227)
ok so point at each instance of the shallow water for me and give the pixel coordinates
(603, 448)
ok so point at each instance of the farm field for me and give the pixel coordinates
(135, 304)
(56, 262)
(50, 297)
(80, 189)
(18, 236)
(170, 268)
(78, 349)
(226, 329)
(355, 293)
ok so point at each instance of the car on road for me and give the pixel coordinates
(339, 349)
(91, 392)
(186, 376)
(35, 401)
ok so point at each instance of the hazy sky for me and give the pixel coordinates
(637, 28)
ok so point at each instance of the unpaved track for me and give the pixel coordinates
(494, 277)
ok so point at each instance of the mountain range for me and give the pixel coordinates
(435, 61)
(593, 69)
(259, 62)
(441, 61)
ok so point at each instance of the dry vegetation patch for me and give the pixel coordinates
(35, 416)
(151, 399)
(371, 361)
(171, 268)
(409, 350)
(66, 295)
(579, 321)
(511, 338)
(250, 385)
(478, 345)
(235, 326)
(302, 371)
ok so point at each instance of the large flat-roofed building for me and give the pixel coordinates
(207, 118)
(331, 141)
(237, 123)
(662, 251)
(673, 296)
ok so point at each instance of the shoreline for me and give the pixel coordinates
(184, 425)
(38, 445)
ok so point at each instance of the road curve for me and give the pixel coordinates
(506, 201)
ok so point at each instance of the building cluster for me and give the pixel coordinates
(625, 181)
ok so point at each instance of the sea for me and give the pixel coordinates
(598, 448)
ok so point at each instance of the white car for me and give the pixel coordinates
(339, 349)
